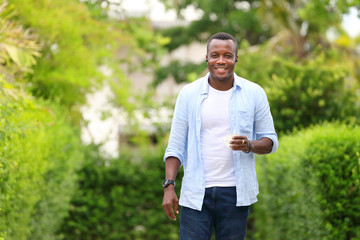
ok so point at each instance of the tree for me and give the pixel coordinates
(303, 24)
(238, 18)
(76, 42)
(18, 47)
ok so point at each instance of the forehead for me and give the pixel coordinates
(216, 45)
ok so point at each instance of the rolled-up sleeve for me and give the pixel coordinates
(264, 124)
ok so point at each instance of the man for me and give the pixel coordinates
(219, 183)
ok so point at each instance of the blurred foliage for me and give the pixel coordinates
(54, 50)
(18, 47)
(120, 198)
(99, 8)
(305, 23)
(257, 21)
(77, 42)
(74, 45)
(182, 72)
(238, 18)
(39, 155)
(311, 191)
(302, 95)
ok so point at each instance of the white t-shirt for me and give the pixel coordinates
(215, 125)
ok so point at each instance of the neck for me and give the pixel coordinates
(221, 85)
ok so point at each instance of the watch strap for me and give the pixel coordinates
(167, 182)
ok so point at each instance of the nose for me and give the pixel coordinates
(221, 59)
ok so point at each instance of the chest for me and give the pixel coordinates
(215, 109)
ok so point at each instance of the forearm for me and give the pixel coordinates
(172, 166)
(262, 146)
(170, 200)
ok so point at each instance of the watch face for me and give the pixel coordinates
(166, 182)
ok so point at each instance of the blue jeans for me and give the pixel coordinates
(219, 213)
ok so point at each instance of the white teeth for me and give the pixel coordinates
(221, 69)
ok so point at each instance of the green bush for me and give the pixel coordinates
(120, 199)
(309, 189)
(38, 158)
(300, 96)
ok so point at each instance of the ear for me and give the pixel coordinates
(236, 59)
(206, 58)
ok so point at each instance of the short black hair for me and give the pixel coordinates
(222, 36)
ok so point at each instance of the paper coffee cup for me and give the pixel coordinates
(228, 138)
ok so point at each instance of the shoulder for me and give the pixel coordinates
(195, 87)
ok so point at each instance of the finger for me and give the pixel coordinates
(237, 137)
(176, 207)
(243, 141)
(235, 147)
(238, 146)
(168, 207)
(171, 214)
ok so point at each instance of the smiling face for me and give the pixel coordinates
(221, 63)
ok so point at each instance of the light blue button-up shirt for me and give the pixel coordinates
(249, 115)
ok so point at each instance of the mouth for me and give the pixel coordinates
(220, 69)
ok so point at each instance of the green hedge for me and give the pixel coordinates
(39, 155)
(121, 199)
(303, 95)
(310, 189)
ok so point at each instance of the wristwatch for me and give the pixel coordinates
(167, 182)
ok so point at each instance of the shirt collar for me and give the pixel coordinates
(204, 89)
(238, 82)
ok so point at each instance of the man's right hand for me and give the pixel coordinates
(170, 200)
